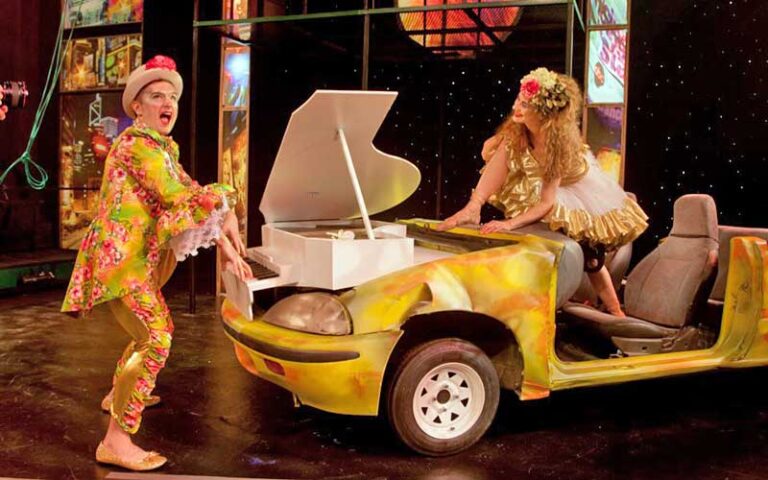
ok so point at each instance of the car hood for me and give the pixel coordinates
(526, 269)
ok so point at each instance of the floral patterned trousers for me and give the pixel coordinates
(146, 318)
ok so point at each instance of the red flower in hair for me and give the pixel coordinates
(530, 87)
(161, 61)
(208, 202)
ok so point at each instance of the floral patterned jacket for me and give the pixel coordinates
(146, 200)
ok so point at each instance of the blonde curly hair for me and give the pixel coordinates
(561, 129)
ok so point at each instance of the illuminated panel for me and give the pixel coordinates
(234, 160)
(77, 209)
(86, 13)
(236, 76)
(604, 126)
(459, 32)
(608, 12)
(233, 127)
(88, 126)
(607, 62)
(236, 10)
(605, 79)
(100, 62)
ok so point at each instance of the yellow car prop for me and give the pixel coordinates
(431, 345)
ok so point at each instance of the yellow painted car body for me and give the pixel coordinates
(515, 285)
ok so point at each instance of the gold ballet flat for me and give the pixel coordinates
(151, 401)
(151, 461)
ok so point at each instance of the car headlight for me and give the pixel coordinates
(317, 312)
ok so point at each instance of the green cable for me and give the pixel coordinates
(50, 86)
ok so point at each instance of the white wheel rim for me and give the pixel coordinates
(448, 400)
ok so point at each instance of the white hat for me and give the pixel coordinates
(158, 67)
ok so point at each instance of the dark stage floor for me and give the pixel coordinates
(218, 420)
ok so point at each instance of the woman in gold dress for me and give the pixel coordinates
(538, 169)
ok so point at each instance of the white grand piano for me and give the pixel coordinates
(326, 180)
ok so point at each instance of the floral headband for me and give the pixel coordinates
(542, 89)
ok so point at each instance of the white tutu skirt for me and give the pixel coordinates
(595, 209)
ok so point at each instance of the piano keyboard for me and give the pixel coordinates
(260, 272)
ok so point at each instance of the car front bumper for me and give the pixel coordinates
(339, 374)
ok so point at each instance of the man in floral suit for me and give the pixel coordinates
(151, 214)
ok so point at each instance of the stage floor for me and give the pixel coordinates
(218, 420)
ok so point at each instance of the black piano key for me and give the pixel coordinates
(260, 272)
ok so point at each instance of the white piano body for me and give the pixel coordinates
(326, 180)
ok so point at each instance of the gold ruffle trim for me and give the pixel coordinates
(613, 229)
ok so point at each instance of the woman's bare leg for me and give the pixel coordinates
(601, 282)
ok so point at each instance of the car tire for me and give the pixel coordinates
(443, 396)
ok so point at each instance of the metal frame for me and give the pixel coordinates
(573, 12)
(385, 11)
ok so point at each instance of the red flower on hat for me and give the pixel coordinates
(530, 87)
(161, 61)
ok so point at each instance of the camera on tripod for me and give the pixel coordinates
(15, 93)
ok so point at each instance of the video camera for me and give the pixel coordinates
(15, 93)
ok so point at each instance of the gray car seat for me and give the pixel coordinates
(716, 299)
(726, 233)
(666, 289)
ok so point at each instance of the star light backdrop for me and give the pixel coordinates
(698, 109)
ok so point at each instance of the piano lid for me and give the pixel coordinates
(310, 179)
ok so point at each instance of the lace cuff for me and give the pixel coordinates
(188, 242)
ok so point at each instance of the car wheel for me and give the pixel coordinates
(443, 396)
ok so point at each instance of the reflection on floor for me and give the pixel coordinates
(218, 420)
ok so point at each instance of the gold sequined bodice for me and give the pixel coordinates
(522, 187)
